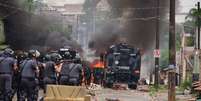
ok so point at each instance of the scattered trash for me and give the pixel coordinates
(94, 87)
(111, 99)
(120, 87)
(144, 88)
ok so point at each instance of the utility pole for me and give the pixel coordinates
(172, 53)
(157, 46)
(197, 69)
(198, 20)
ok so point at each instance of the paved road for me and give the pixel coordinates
(122, 95)
(128, 95)
(134, 95)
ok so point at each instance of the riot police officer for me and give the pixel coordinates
(29, 73)
(20, 56)
(87, 73)
(76, 74)
(50, 75)
(71, 70)
(7, 66)
(64, 72)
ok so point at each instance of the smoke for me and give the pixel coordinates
(132, 21)
(24, 30)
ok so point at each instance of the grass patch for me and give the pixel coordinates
(153, 90)
(185, 85)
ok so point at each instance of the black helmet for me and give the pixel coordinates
(56, 57)
(65, 53)
(8, 52)
(34, 53)
(22, 55)
(47, 57)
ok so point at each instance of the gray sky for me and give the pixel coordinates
(185, 6)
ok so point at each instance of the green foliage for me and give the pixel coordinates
(164, 58)
(189, 41)
(153, 90)
(189, 26)
(193, 15)
(185, 85)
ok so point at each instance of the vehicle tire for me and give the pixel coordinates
(132, 86)
(108, 85)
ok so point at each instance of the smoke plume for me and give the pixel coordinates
(132, 21)
(25, 30)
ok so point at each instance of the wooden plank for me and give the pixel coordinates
(75, 99)
(76, 92)
(49, 92)
(87, 98)
(56, 92)
(82, 93)
(66, 93)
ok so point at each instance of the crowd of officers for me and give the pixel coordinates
(25, 73)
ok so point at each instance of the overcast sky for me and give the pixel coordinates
(185, 6)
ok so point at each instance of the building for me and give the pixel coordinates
(70, 12)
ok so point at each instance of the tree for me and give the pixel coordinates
(193, 15)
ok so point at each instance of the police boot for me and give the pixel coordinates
(21, 95)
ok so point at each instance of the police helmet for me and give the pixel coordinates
(56, 57)
(8, 51)
(65, 53)
(23, 55)
(47, 57)
(34, 53)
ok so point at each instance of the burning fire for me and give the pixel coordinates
(97, 64)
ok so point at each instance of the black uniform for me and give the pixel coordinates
(64, 74)
(49, 73)
(87, 75)
(6, 71)
(29, 82)
(71, 74)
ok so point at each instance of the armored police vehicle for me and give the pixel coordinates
(123, 64)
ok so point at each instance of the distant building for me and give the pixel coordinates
(70, 12)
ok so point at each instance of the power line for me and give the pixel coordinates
(135, 19)
(136, 8)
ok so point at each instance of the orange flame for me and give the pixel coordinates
(98, 64)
